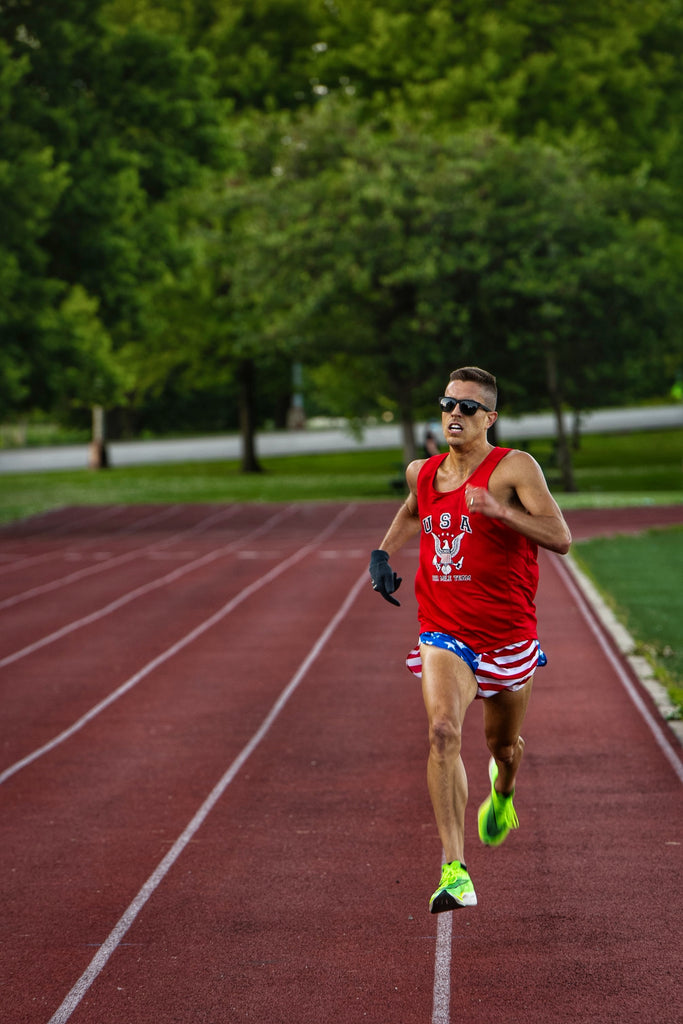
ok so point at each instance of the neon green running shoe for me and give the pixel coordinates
(497, 814)
(455, 889)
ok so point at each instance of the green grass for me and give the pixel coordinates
(335, 477)
(640, 578)
(617, 469)
(647, 462)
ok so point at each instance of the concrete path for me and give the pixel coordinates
(140, 453)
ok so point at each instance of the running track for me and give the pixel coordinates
(213, 798)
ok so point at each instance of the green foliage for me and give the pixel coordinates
(393, 255)
(606, 75)
(100, 128)
(266, 52)
(31, 183)
(388, 189)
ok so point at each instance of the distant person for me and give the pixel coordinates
(430, 444)
(481, 512)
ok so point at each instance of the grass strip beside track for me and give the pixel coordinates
(639, 578)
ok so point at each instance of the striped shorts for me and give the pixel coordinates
(507, 668)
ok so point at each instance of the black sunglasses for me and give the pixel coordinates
(468, 406)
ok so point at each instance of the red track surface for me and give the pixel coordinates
(177, 855)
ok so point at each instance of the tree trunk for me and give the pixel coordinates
(564, 456)
(97, 453)
(250, 463)
(408, 434)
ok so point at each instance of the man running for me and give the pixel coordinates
(481, 512)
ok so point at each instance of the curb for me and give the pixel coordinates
(627, 648)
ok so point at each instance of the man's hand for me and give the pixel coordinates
(480, 499)
(384, 579)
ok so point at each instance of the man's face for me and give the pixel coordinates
(459, 428)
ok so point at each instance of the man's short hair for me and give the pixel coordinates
(475, 375)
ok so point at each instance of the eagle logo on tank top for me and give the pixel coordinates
(445, 553)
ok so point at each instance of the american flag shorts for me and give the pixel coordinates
(507, 668)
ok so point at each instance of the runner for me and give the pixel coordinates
(482, 512)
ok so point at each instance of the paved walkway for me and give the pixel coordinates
(307, 442)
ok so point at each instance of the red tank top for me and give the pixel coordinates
(477, 578)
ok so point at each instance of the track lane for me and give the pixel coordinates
(580, 904)
(99, 780)
(103, 596)
(297, 798)
(329, 938)
(101, 563)
(203, 944)
(159, 636)
(46, 533)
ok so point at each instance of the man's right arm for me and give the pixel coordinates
(404, 526)
(406, 522)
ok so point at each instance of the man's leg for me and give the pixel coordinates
(448, 689)
(503, 718)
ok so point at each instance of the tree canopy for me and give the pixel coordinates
(400, 254)
(99, 129)
(191, 189)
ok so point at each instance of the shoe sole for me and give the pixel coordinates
(445, 901)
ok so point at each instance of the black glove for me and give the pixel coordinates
(384, 579)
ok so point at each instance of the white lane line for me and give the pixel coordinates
(441, 1000)
(145, 588)
(74, 523)
(597, 630)
(109, 563)
(110, 944)
(23, 563)
(171, 651)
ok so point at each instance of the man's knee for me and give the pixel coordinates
(504, 751)
(445, 736)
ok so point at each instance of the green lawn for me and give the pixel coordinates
(335, 477)
(645, 463)
(640, 578)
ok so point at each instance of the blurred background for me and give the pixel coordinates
(242, 216)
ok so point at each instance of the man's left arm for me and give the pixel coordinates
(518, 496)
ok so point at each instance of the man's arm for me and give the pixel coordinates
(405, 524)
(518, 496)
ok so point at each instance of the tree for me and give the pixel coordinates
(266, 54)
(603, 75)
(110, 124)
(408, 254)
(333, 232)
(196, 333)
